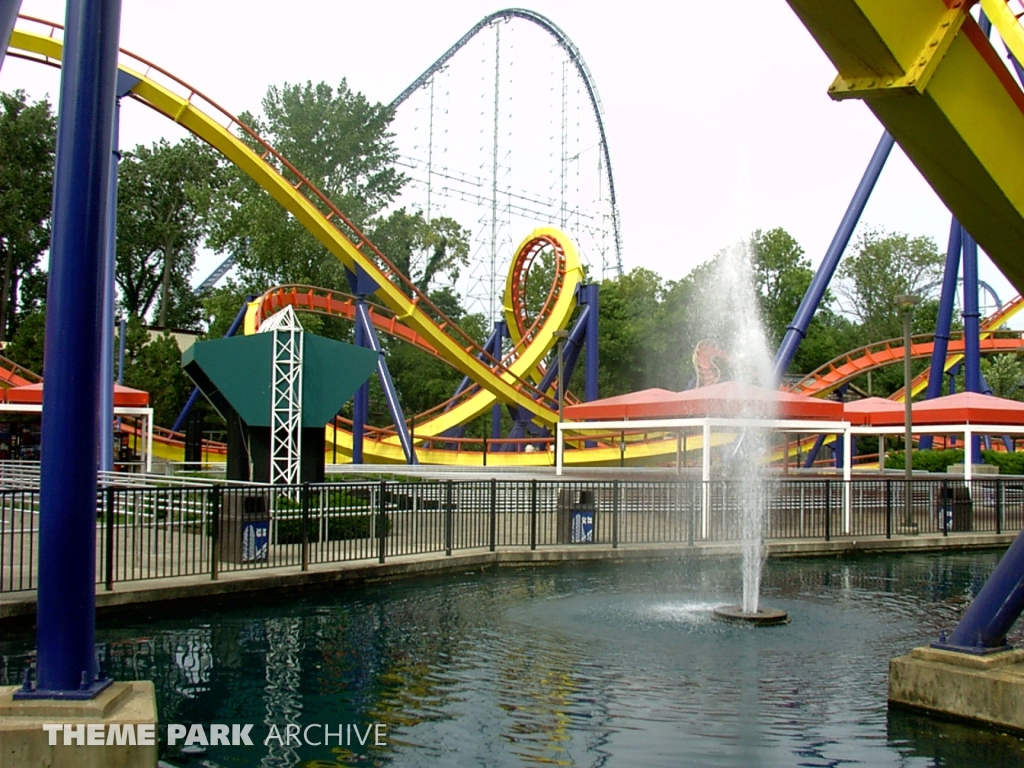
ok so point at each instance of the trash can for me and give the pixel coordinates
(577, 516)
(244, 532)
(955, 508)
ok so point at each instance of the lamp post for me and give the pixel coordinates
(560, 337)
(906, 305)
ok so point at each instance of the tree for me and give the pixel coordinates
(27, 139)
(882, 267)
(422, 250)
(339, 141)
(164, 194)
(1005, 375)
(629, 308)
(154, 365)
(26, 348)
(782, 274)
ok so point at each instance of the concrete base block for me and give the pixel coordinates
(24, 741)
(986, 689)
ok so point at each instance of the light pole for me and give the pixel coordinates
(906, 304)
(560, 337)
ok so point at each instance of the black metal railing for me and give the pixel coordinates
(160, 531)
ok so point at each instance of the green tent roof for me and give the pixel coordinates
(237, 372)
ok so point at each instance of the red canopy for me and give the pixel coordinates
(728, 399)
(874, 411)
(32, 394)
(968, 408)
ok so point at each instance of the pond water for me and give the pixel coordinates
(570, 665)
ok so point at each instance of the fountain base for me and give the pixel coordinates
(764, 617)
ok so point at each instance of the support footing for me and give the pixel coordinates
(763, 618)
(985, 689)
(124, 712)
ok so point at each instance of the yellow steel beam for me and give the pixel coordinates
(931, 77)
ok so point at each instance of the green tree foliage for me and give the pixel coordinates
(154, 365)
(164, 195)
(27, 138)
(26, 348)
(1005, 375)
(782, 274)
(341, 143)
(423, 250)
(629, 308)
(882, 267)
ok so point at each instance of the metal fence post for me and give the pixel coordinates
(888, 509)
(1000, 502)
(615, 514)
(945, 497)
(448, 489)
(110, 538)
(382, 522)
(533, 514)
(494, 514)
(304, 498)
(828, 510)
(215, 494)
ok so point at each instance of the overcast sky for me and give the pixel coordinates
(717, 123)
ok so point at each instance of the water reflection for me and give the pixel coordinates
(574, 666)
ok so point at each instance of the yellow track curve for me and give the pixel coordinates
(318, 215)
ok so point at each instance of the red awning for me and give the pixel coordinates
(725, 400)
(966, 408)
(874, 411)
(32, 394)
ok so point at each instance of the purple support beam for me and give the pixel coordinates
(588, 295)
(972, 326)
(361, 402)
(947, 299)
(8, 16)
(390, 391)
(989, 617)
(797, 329)
(66, 665)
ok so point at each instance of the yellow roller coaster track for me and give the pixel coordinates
(175, 99)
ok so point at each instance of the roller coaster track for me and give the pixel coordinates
(575, 57)
(175, 99)
(848, 366)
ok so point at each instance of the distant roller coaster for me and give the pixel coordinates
(575, 57)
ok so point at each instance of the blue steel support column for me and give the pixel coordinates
(1000, 602)
(361, 403)
(592, 300)
(501, 329)
(797, 330)
(66, 664)
(125, 83)
(947, 299)
(105, 413)
(8, 15)
(972, 329)
(387, 384)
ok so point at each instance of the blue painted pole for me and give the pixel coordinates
(360, 405)
(996, 608)
(106, 308)
(121, 331)
(65, 615)
(947, 300)
(972, 327)
(8, 16)
(797, 330)
(592, 300)
(386, 382)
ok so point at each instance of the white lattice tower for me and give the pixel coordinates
(286, 397)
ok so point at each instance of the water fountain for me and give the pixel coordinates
(732, 302)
